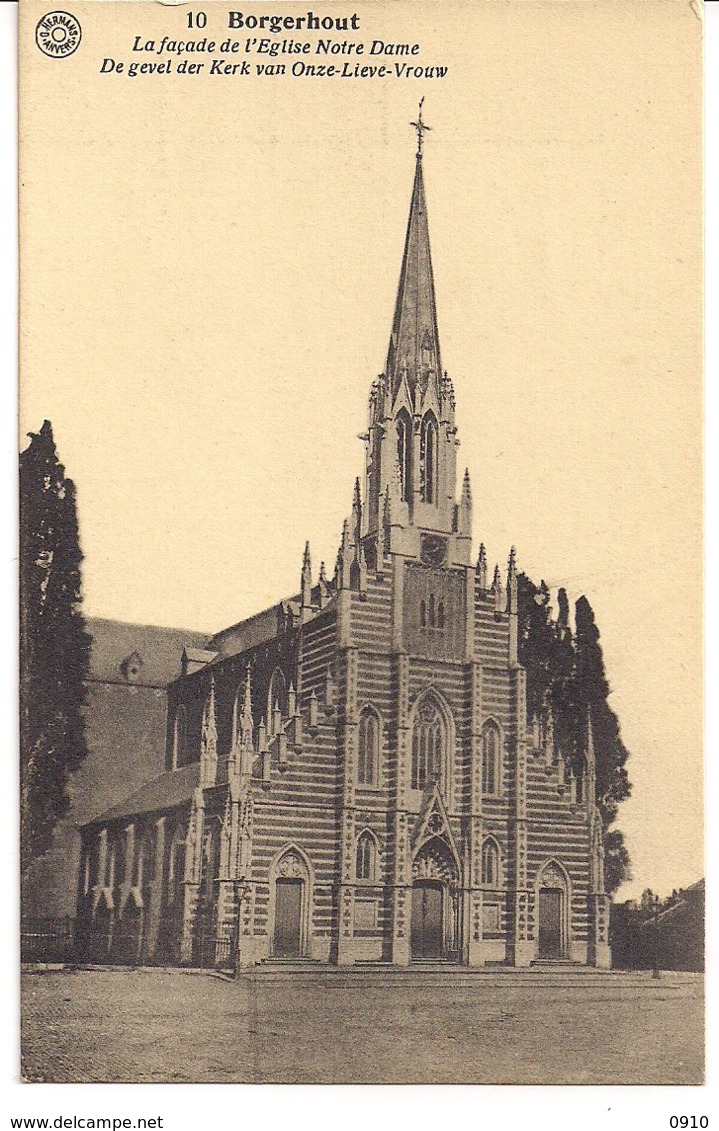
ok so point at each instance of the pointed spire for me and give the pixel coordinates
(306, 583)
(466, 488)
(414, 342)
(344, 558)
(208, 741)
(497, 590)
(512, 580)
(482, 567)
(590, 735)
(357, 510)
(323, 586)
(246, 722)
(464, 510)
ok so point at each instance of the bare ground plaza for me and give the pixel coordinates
(543, 1027)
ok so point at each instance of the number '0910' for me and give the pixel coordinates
(689, 1121)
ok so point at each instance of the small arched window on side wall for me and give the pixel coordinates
(179, 737)
(366, 862)
(428, 459)
(490, 863)
(368, 748)
(490, 759)
(404, 449)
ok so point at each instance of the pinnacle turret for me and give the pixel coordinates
(306, 584)
(482, 567)
(208, 740)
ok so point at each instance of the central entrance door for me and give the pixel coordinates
(427, 941)
(288, 908)
(550, 923)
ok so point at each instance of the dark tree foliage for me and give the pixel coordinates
(617, 865)
(566, 672)
(54, 647)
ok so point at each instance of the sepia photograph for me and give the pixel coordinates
(361, 548)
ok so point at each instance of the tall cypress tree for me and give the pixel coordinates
(613, 785)
(536, 639)
(54, 647)
(592, 694)
(568, 672)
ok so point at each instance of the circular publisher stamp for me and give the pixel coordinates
(58, 34)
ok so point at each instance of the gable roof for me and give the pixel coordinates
(158, 649)
(166, 792)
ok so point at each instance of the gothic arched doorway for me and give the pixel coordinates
(290, 906)
(553, 906)
(435, 902)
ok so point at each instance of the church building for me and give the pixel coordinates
(350, 776)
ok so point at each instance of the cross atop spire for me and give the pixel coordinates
(421, 129)
(414, 342)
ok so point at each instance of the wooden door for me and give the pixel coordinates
(427, 932)
(550, 923)
(288, 908)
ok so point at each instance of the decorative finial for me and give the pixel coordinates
(421, 128)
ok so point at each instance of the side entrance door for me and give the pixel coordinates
(427, 920)
(550, 923)
(288, 905)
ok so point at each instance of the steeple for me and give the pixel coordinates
(411, 441)
(414, 341)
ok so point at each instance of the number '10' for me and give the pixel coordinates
(196, 19)
(689, 1121)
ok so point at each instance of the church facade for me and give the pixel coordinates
(351, 776)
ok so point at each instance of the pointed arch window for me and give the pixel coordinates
(440, 614)
(366, 862)
(179, 737)
(428, 744)
(144, 864)
(490, 863)
(404, 448)
(211, 863)
(490, 759)
(432, 618)
(115, 862)
(368, 748)
(110, 862)
(423, 613)
(176, 869)
(92, 870)
(428, 459)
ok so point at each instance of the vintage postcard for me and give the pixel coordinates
(361, 542)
